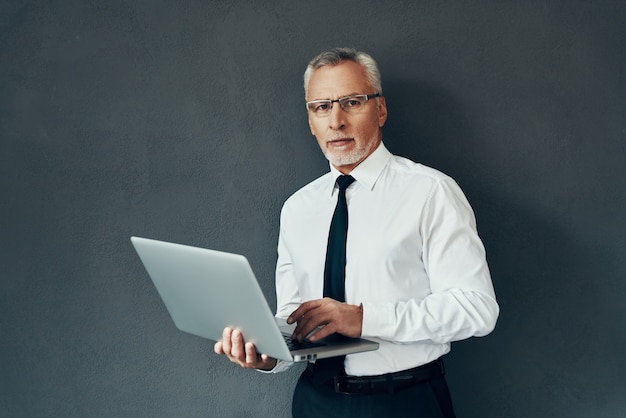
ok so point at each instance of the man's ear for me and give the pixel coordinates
(382, 112)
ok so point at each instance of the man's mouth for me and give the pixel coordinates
(339, 142)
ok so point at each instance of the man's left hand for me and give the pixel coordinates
(332, 316)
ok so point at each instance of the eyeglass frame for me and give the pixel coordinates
(340, 100)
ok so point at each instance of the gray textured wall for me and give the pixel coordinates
(184, 121)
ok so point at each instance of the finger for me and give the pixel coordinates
(330, 315)
(301, 324)
(304, 328)
(297, 314)
(307, 312)
(251, 356)
(303, 310)
(226, 340)
(254, 360)
(313, 320)
(328, 329)
(218, 348)
(316, 330)
(267, 362)
(237, 349)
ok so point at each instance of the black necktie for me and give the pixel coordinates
(335, 269)
(335, 272)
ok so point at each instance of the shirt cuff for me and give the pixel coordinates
(378, 320)
(281, 366)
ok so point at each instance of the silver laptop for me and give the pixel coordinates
(206, 291)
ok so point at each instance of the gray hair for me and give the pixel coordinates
(336, 56)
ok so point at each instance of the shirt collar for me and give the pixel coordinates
(368, 171)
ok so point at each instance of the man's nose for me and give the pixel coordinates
(337, 117)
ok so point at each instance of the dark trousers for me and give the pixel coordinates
(425, 399)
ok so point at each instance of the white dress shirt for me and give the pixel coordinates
(414, 260)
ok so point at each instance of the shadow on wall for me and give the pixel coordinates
(426, 124)
(557, 335)
(561, 321)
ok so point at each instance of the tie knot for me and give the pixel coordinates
(344, 181)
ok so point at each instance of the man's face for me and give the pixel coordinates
(345, 138)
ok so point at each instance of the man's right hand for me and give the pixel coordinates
(232, 346)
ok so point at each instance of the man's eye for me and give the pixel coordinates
(321, 107)
(352, 103)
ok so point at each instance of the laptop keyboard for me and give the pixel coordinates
(300, 345)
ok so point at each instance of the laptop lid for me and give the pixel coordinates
(205, 291)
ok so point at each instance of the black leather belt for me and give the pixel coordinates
(388, 383)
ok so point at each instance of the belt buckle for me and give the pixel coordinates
(344, 386)
(340, 385)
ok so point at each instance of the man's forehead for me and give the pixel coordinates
(332, 82)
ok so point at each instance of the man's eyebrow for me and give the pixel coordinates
(340, 97)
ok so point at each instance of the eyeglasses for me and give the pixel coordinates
(350, 104)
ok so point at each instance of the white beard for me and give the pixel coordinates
(343, 158)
